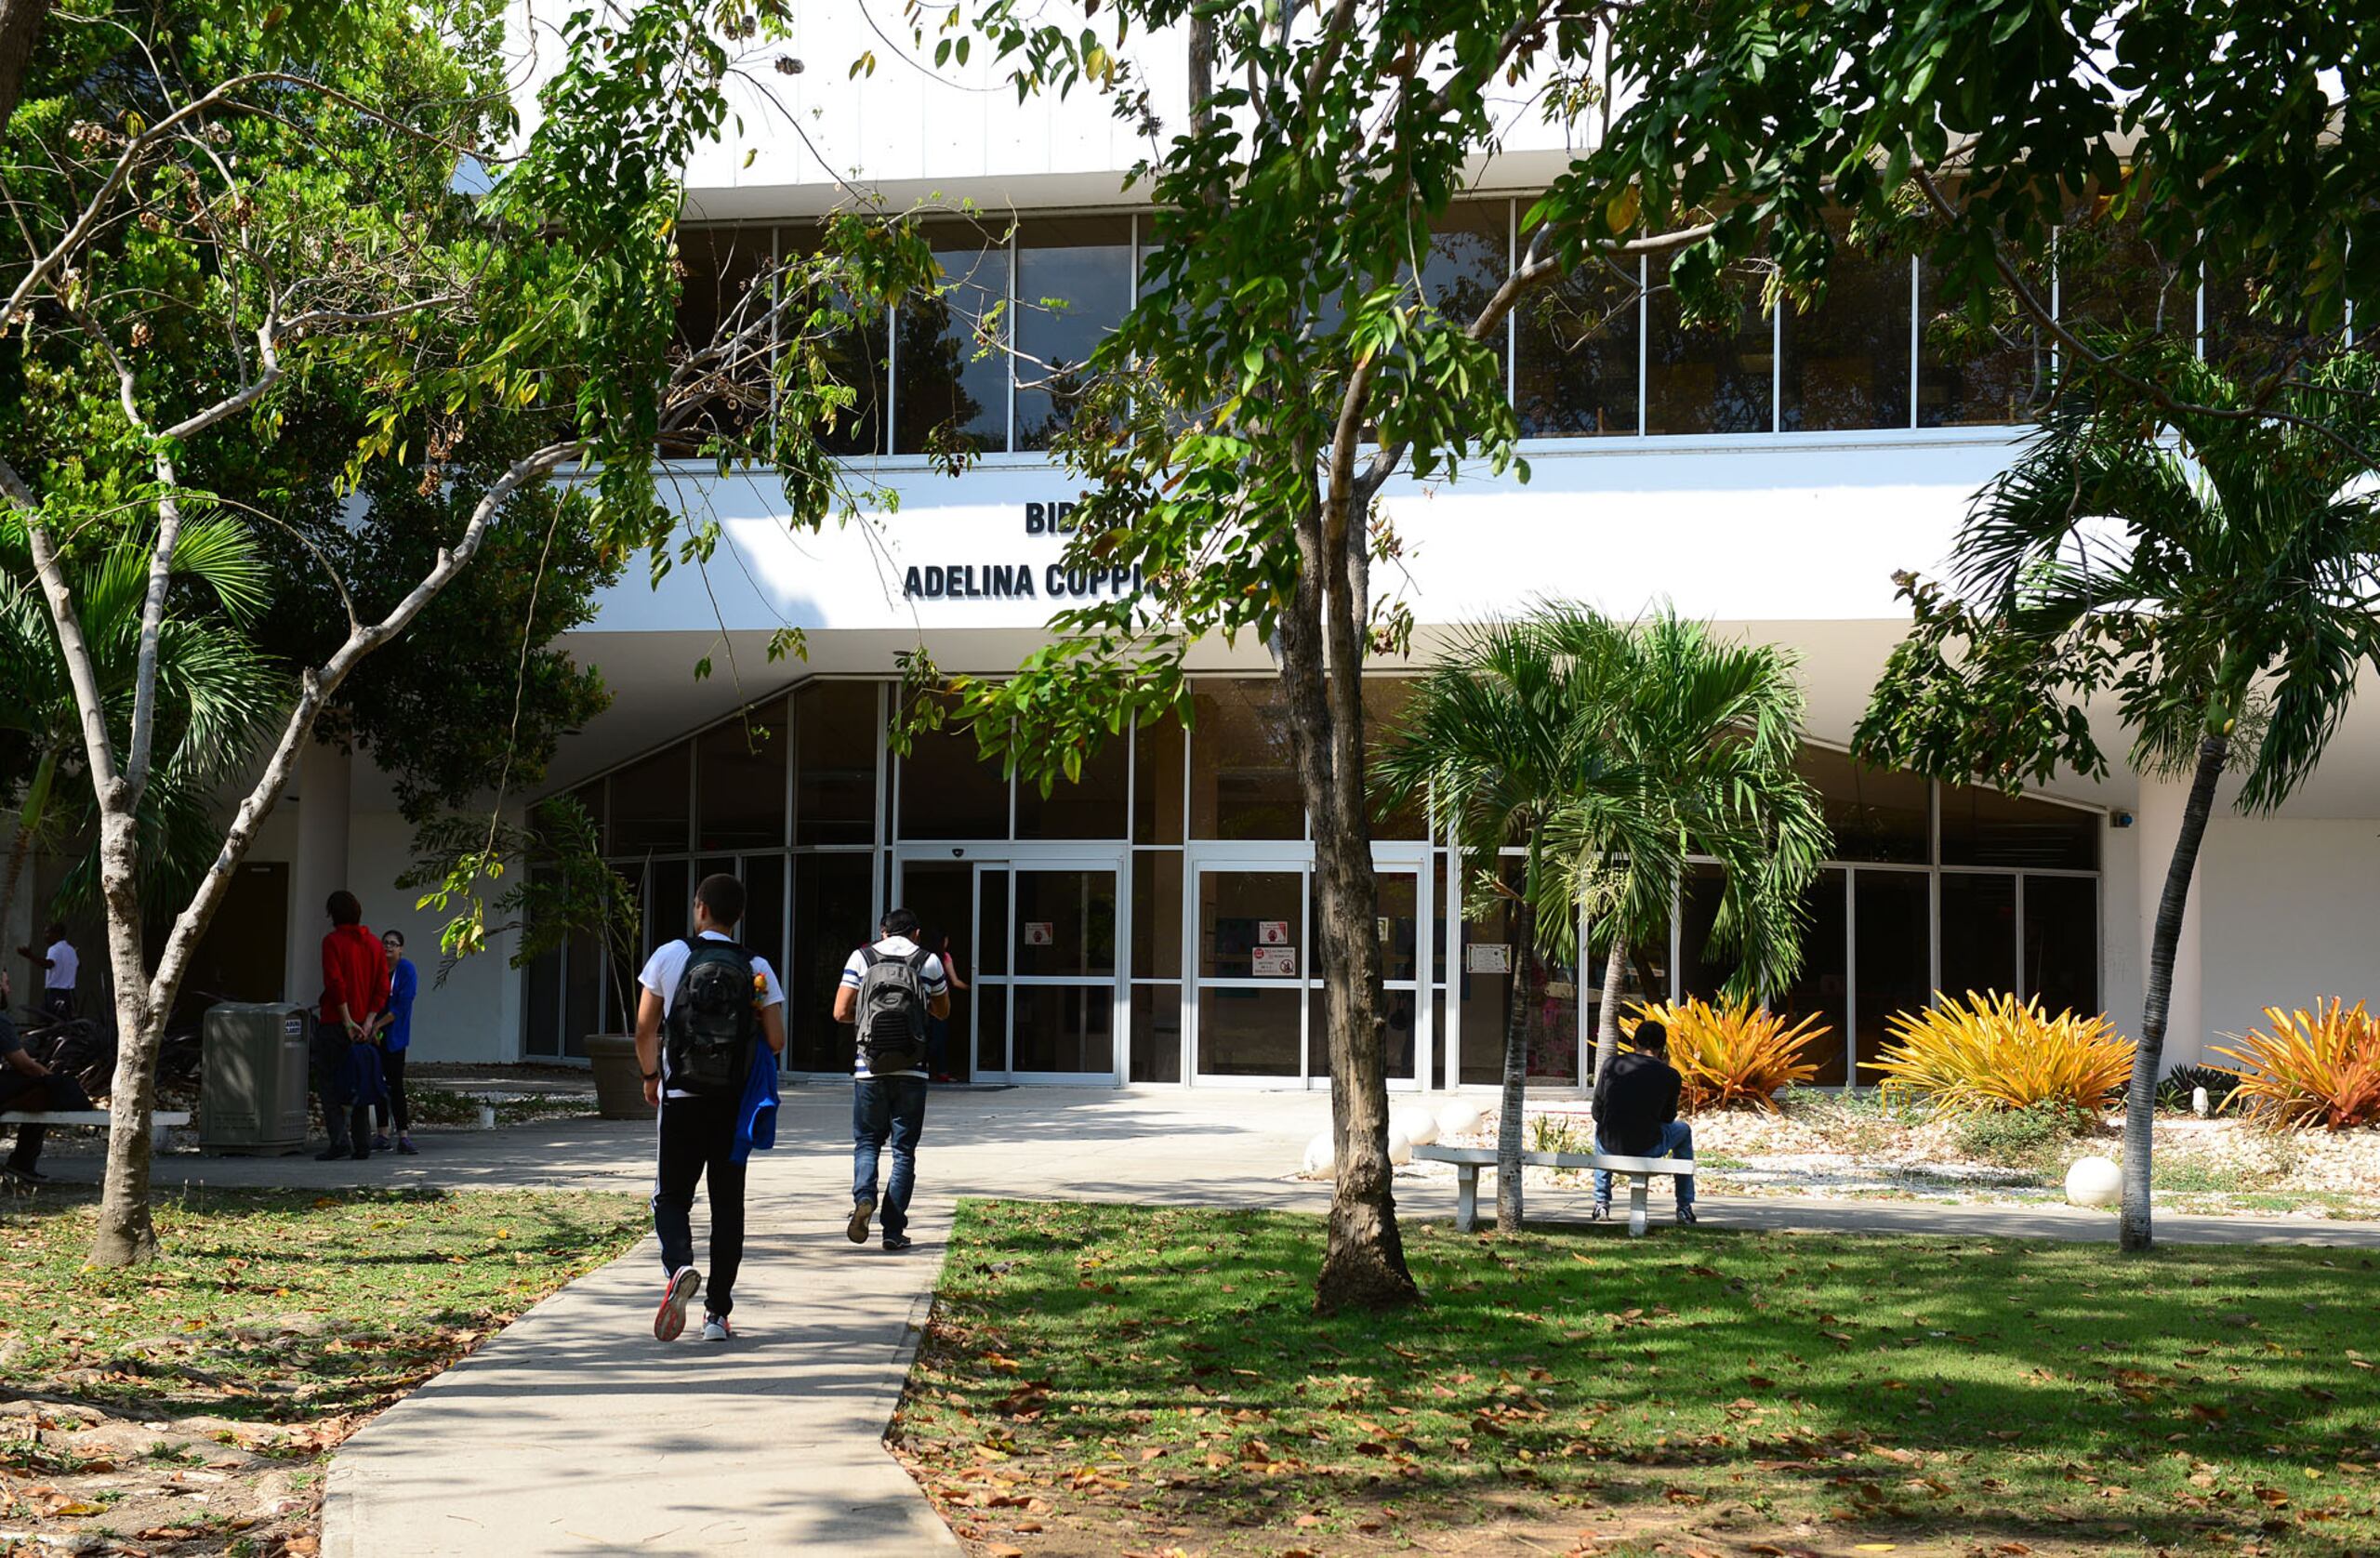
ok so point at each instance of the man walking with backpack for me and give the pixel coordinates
(888, 991)
(707, 1004)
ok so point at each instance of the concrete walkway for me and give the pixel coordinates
(573, 1432)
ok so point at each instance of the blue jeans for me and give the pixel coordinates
(886, 1108)
(1677, 1140)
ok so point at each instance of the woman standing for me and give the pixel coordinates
(396, 1035)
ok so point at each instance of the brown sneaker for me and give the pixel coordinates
(857, 1230)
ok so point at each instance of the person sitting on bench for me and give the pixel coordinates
(1635, 1109)
(28, 1085)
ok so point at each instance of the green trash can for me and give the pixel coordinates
(254, 1077)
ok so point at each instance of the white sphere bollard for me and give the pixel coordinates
(1320, 1154)
(2095, 1181)
(1419, 1126)
(1400, 1151)
(1461, 1117)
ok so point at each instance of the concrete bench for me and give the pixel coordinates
(158, 1120)
(1468, 1161)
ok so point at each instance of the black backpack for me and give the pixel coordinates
(891, 1014)
(709, 1029)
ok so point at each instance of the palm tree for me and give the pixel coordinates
(215, 693)
(1607, 754)
(2218, 572)
(1708, 729)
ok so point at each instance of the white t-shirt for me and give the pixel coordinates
(667, 964)
(931, 976)
(63, 966)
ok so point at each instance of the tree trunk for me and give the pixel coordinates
(125, 1234)
(2140, 1099)
(1363, 1264)
(1519, 1028)
(1615, 966)
(20, 30)
(18, 848)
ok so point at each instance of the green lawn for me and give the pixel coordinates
(277, 1322)
(1156, 1376)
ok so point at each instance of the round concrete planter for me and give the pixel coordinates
(619, 1084)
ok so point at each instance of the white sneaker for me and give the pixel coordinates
(715, 1328)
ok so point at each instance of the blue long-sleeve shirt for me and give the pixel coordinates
(402, 983)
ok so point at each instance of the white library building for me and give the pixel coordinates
(1151, 925)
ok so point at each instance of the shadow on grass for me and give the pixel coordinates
(288, 1306)
(1991, 1388)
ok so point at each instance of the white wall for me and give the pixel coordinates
(1778, 527)
(908, 132)
(476, 1014)
(2291, 912)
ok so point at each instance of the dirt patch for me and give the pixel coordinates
(79, 1478)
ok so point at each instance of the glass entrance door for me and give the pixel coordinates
(1250, 1016)
(1034, 940)
(1258, 1012)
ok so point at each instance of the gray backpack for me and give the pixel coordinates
(892, 1014)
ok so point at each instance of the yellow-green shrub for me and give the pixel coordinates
(2315, 1068)
(1731, 1056)
(1998, 1053)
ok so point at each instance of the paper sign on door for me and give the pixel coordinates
(1040, 932)
(1487, 958)
(1276, 962)
(1271, 932)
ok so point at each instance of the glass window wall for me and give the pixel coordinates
(740, 782)
(1596, 355)
(1847, 360)
(1092, 808)
(1979, 933)
(838, 728)
(2008, 899)
(1823, 987)
(1243, 779)
(1470, 254)
(1575, 375)
(649, 801)
(1985, 827)
(1875, 815)
(718, 268)
(1074, 284)
(1703, 381)
(1976, 370)
(949, 360)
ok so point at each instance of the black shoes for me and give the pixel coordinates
(332, 1154)
(897, 1242)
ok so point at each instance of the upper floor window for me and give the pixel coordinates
(1703, 381)
(1074, 284)
(950, 384)
(1845, 362)
(995, 360)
